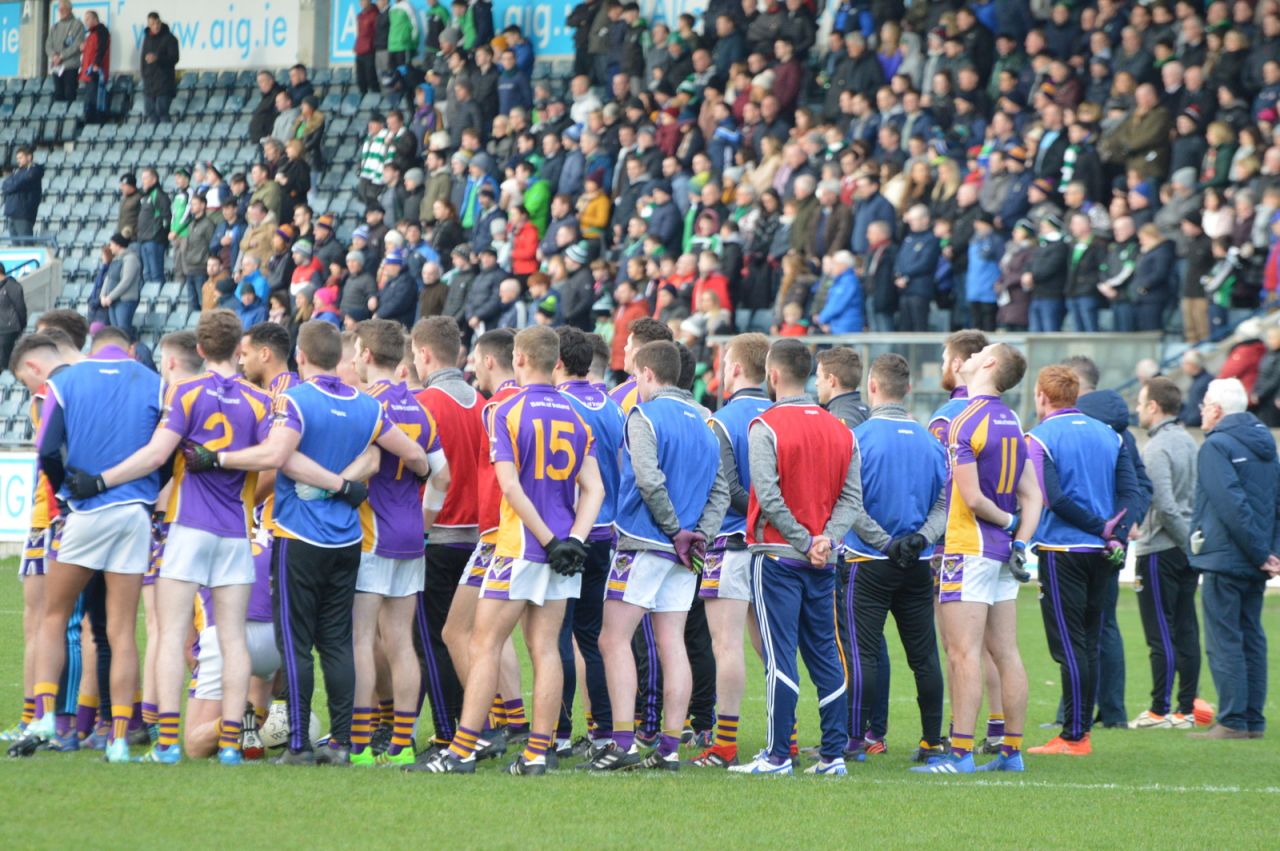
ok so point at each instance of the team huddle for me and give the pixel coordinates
(381, 510)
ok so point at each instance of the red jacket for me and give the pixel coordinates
(814, 451)
(95, 55)
(524, 250)
(623, 316)
(1243, 361)
(716, 283)
(366, 23)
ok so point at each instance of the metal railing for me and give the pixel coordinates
(1115, 355)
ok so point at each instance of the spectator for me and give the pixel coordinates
(215, 280)
(300, 88)
(515, 308)
(914, 270)
(1198, 259)
(193, 251)
(1234, 541)
(159, 62)
(123, 287)
(1192, 365)
(1084, 273)
(306, 270)
(13, 313)
(287, 113)
(373, 153)
(62, 46)
(95, 67)
(23, 189)
(264, 113)
(1152, 277)
(986, 249)
(249, 306)
(1046, 278)
(366, 66)
(1265, 398)
(1246, 354)
(432, 296)
(258, 233)
(844, 311)
(397, 297)
(154, 215)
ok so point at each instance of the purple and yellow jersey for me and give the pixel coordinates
(626, 394)
(42, 503)
(540, 432)
(275, 387)
(988, 434)
(392, 516)
(221, 414)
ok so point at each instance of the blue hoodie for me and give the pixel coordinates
(984, 268)
(1237, 498)
(843, 310)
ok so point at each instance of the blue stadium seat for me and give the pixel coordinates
(187, 81)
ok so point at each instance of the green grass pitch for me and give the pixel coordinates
(1150, 789)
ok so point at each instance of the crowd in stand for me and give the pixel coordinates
(1006, 164)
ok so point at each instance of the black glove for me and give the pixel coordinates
(82, 485)
(905, 551)
(566, 556)
(199, 459)
(352, 493)
(1017, 561)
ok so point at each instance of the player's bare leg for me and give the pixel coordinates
(542, 636)
(458, 628)
(174, 601)
(1002, 645)
(63, 584)
(396, 619)
(677, 683)
(963, 626)
(619, 623)
(364, 628)
(231, 603)
(32, 613)
(200, 739)
(726, 620)
(996, 719)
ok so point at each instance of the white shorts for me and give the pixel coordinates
(116, 539)
(726, 575)
(194, 555)
(390, 577)
(477, 566)
(652, 581)
(532, 581)
(973, 579)
(264, 658)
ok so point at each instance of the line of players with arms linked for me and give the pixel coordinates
(378, 508)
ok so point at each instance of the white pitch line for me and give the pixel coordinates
(1101, 787)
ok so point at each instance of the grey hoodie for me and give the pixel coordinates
(1170, 458)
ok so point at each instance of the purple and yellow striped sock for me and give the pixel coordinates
(591, 724)
(86, 714)
(515, 713)
(150, 714)
(386, 713)
(361, 728)
(261, 713)
(121, 715)
(795, 737)
(536, 747)
(464, 742)
(961, 743)
(995, 725)
(401, 732)
(46, 694)
(726, 731)
(28, 709)
(229, 735)
(498, 713)
(1011, 745)
(168, 722)
(669, 742)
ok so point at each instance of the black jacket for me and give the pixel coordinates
(878, 279)
(576, 297)
(1084, 274)
(1152, 275)
(264, 115)
(158, 78)
(1048, 268)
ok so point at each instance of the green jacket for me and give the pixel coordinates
(537, 200)
(403, 35)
